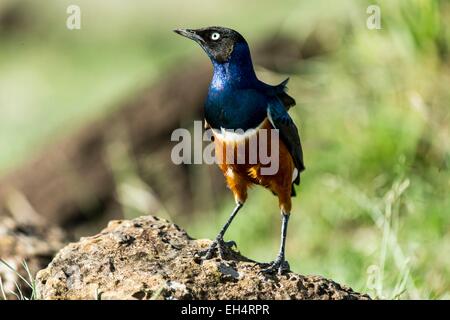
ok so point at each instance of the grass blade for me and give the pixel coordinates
(31, 278)
(17, 273)
(2, 290)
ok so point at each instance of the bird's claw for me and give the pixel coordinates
(218, 244)
(280, 265)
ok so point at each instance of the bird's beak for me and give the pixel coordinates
(191, 34)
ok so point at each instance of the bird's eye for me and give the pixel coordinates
(215, 36)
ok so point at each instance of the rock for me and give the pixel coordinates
(150, 258)
(33, 243)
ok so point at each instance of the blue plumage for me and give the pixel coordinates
(238, 100)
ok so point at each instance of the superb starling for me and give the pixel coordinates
(238, 100)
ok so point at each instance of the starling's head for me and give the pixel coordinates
(218, 42)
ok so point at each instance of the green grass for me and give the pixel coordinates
(373, 208)
(30, 283)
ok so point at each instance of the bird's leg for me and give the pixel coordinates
(219, 243)
(280, 264)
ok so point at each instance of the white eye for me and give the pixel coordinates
(215, 36)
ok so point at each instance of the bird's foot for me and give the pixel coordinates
(218, 245)
(280, 265)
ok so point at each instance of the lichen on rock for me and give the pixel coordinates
(150, 258)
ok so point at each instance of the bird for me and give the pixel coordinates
(238, 100)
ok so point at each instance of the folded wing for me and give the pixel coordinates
(280, 119)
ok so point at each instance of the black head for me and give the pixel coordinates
(218, 42)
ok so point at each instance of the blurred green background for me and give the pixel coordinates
(373, 209)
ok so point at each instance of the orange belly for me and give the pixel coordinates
(242, 169)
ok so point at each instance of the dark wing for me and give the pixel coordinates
(281, 120)
(280, 92)
(286, 99)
